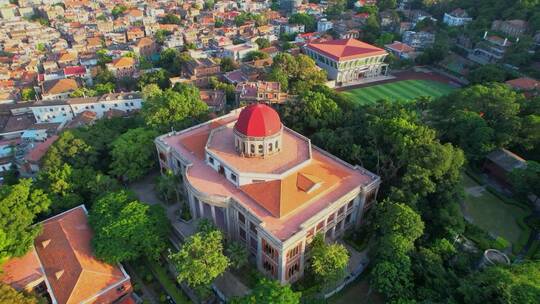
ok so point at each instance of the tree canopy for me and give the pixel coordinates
(19, 206)
(125, 229)
(296, 73)
(308, 21)
(173, 108)
(8, 295)
(201, 259)
(328, 261)
(479, 118)
(133, 154)
(270, 291)
(503, 284)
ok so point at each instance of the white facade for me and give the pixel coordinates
(59, 112)
(239, 51)
(345, 71)
(324, 25)
(455, 21)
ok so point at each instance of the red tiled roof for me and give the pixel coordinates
(258, 120)
(346, 49)
(64, 250)
(74, 70)
(400, 47)
(524, 83)
(39, 151)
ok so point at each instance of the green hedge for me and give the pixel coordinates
(165, 280)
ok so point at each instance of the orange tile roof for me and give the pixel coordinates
(72, 271)
(23, 271)
(67, 57)
(58, 86)
(400, 47)
(524, 83)
(346, 49)
(123, 62)
(280, 197)
(283, 205)
(39, 151)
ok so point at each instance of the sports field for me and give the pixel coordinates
(400, 91)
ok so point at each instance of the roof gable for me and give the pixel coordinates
(346, 49)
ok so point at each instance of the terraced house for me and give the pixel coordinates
(266, 186)
(348, 60)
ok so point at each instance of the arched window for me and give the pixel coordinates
(261, 149)
(252, 148)
(277, 144)
(270, 147)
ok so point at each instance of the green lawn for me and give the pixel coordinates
(492, 214)
(399, 91)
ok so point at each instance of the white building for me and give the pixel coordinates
(59, 111)
(348, 60)
(239, 51)
(457, 17)
(324, 25)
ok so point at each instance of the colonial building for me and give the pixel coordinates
(348, 60)
(62, 268)
(266, 186)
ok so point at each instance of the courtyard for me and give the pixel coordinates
(400, 91)
(493, 215)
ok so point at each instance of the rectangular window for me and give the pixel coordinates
(233, 177)
(294, 252)
(211, 160)
(241, 218)
(252, 227)
(293, 269)
(331, 218)
(350, 204)
(341, 211)
(103, 106)
(348, 219)
(242, 233)
(127, 104)
(320, 226)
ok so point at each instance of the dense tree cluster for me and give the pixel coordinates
(296, 73)
(201, 258)
(20, 204)
(176, 108)
(125, 229)
(483, 117)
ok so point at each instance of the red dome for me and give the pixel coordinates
(258, 120)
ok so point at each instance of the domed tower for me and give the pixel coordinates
(258, 131)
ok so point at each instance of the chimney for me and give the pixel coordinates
(59, 274)
(45, 243)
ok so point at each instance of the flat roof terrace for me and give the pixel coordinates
(295, 149)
